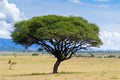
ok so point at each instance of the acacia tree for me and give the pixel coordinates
(60, 36)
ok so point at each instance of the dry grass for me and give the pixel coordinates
(40, 68)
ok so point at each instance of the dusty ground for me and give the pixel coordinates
(40, 68)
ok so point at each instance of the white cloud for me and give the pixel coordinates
(111, 40)
(75, 1)
(5, 29)
(9, 14)
(2, 16)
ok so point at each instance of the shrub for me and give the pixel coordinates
(111, 56)
(35, 54)
(118, 56)
(92, 55)
(99, 57)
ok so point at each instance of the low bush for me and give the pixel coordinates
(111, 56)
(35, 54)
(92, 55)
(118, 56)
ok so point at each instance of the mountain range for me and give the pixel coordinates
(9, 45)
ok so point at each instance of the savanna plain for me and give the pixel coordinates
(77, 68)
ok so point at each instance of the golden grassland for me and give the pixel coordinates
(40, 68)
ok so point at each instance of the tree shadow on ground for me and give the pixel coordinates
(60, 73)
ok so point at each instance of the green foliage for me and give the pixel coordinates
(55, 27)
(59, 35)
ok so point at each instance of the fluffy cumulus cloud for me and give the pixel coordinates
(9, 14)
(111, 40)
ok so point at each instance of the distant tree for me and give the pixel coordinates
(14, 54)
(60, 36)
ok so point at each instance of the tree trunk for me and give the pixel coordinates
(56, 65)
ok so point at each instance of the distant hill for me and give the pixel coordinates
(9, 45)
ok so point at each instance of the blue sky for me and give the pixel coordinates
(101, 12)
(105, 13)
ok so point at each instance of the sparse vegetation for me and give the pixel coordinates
(14, 54)
(110, 56)
(35, 54)
(99, 57)
(11, 64)
(39, 68)
(118, 56)
(92, 55)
